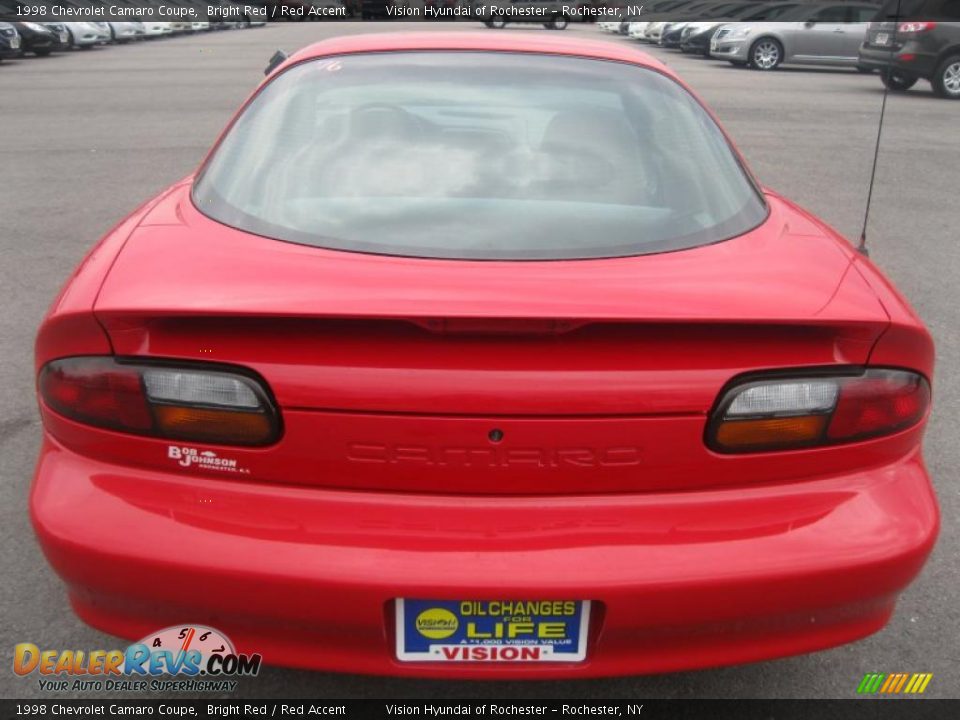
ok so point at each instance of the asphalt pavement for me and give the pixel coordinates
(86, 137)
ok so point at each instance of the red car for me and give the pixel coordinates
(480, 355)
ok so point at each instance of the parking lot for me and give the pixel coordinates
(89, 136)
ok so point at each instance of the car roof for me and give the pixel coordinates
(519, 42)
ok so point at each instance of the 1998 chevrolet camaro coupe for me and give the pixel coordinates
(469, 355)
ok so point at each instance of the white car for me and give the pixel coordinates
(199, 26)
(609, 26)
(103, 31)
(636, 29)
(122, 32)
(652, 32)
(84, 35)
(157, 29)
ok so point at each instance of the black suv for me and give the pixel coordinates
(921, 40)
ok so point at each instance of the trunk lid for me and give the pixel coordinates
(491, 377)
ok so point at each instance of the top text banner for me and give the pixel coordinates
(241, 11)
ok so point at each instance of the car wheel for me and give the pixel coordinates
(898, 82)
(497, 23)
(766, 54)
(559, 22)
(245, 23)
(946, 81)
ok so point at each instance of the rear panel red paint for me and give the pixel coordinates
(453, 456)
(384, 384)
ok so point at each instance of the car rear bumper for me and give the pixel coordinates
(909, 60)
(308, 577)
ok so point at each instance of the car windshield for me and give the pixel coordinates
(478, 156)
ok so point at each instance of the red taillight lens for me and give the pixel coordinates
(878, 404)
(206, 404)
(96, 391)
(783, 413)
(909, 28)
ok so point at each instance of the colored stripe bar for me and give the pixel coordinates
(865, 683)
(911, 683)
(903, 680)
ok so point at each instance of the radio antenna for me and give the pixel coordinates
(862, 247)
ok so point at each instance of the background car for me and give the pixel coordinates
(124, 32)
(672, 36)
(667, 16)
(104, 33)
(9, 41)
(697, 36)
(84, 35)
(816, 34)
(908, 42)
(552, 14)
(154, 29)
(36, 38)
(62, 34)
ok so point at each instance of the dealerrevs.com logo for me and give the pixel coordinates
(181, 658)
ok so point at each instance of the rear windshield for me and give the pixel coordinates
(478, 156)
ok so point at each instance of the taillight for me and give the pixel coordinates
(783, 413)
(212, 405)
(909, 28)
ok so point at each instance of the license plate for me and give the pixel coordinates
(492, 630)
(714, 44)
(15, 43)
(64, 37)
(882, 39)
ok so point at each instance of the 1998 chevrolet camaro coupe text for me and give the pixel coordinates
(482, 356)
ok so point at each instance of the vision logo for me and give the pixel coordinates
(892, 684)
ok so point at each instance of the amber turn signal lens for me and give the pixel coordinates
(220, 426)
(771, 433)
